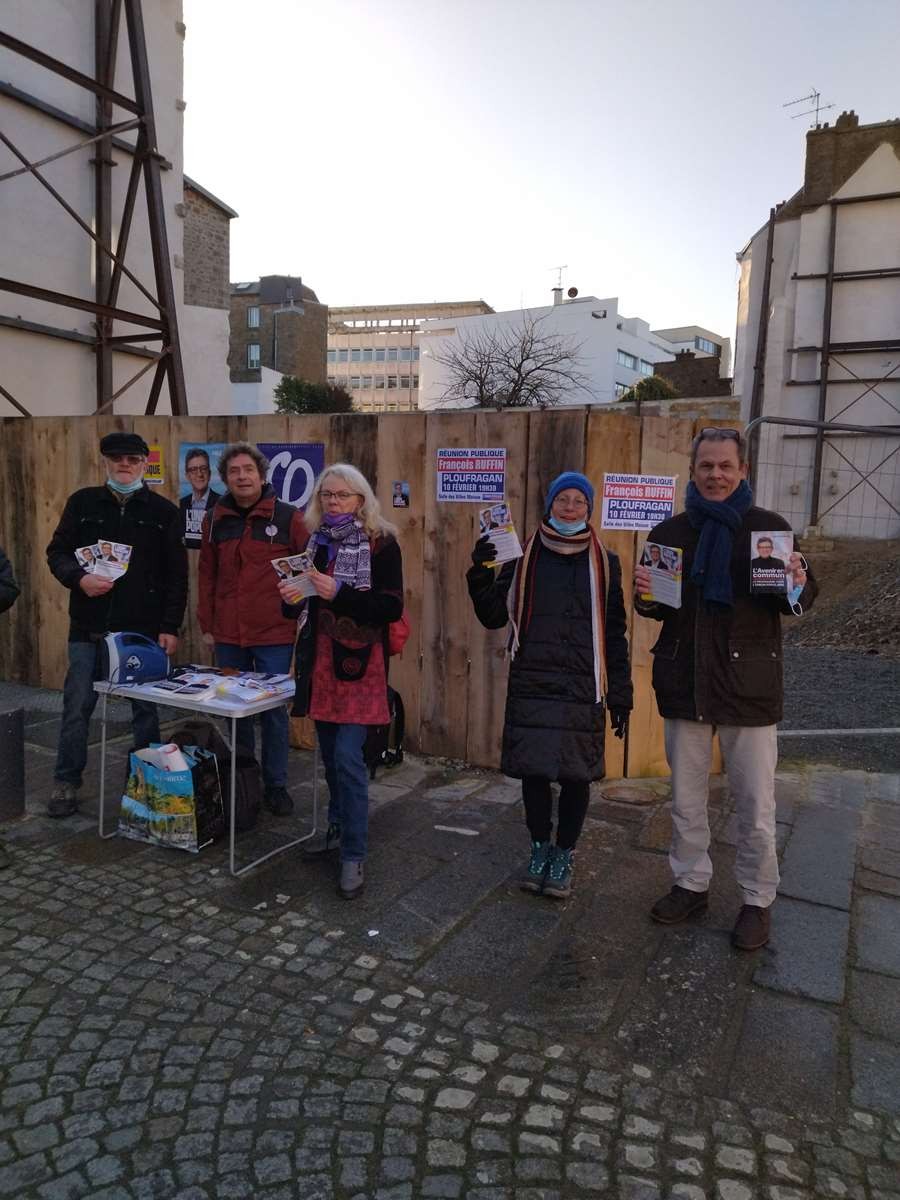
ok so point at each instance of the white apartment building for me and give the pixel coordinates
(373, 350)
(701, 342)
(818, 334)
(615, 351)
(47, 360)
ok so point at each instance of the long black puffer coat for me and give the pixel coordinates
(554, 728)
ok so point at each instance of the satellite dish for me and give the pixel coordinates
(572, 293)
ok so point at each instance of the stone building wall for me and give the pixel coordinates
(302, 339)
(206, 251)
(693, 376)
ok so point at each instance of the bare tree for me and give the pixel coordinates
(512, 366)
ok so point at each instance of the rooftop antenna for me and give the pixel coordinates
(813, 98)
(559, 271)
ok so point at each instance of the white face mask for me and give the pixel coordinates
(567, 527)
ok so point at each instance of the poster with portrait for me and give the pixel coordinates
(199, 486)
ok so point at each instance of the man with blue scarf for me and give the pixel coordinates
(717, 668)
(149, 598)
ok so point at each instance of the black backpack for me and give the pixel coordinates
(384, 743)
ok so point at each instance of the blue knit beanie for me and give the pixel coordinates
(571, 479)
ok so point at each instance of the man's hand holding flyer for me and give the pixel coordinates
(663, 566)
(496, 524)
(296, 569)
(105, 560)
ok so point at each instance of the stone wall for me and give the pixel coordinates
(302, 339)
(206, 251)
(694, 376)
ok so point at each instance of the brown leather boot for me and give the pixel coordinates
(751, 929)
(677, 905)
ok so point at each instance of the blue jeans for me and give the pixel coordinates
(79, 701)
(348, 785)
(277, 660)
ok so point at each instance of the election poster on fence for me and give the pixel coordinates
(637, 501)
(471, 475)
(293, 469)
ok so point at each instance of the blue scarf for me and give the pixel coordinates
(718, 521)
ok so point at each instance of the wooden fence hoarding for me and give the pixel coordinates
(452, 674)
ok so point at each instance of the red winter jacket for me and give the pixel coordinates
(239, 598)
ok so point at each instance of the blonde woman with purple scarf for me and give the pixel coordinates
(563, 603)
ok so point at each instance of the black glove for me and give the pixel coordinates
(484, 551)
(618, 718)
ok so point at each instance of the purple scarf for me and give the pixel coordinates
(348, 547)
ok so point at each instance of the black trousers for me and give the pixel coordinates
(573, 806)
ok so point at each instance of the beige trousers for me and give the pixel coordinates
(750, 754)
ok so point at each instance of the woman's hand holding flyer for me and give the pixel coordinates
(295, 577)
(496, 523)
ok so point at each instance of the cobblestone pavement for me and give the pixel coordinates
(168, 1031)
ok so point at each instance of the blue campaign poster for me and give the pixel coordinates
(293, 469)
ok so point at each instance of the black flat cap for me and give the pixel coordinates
(124, 443)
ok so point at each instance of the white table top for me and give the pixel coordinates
(214, 706)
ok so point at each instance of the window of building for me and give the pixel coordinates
(391, 381)
(415, 353)
(708, 347)
(253, 356)
(404, 381)
(367, 383)
(379, 354)
(354, 383)
(367, 354)
(621, 389)
(626, 360)
(379, 383)
(415, 381)
(343, 355)
(392, 354)
(253, 316)
(406, 354)
(331, 356)
(646, 368)
(356, 355)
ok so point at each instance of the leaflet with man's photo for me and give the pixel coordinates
(496, 523)
(770, 554)
(296, 567)
(106, 560)
(665, 564)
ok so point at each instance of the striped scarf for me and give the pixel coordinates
(522, 590)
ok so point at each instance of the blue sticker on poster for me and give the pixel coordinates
(293, 469)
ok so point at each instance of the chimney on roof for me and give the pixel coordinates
(847, 120)
(557, 295)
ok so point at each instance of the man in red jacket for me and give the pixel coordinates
(240, 609)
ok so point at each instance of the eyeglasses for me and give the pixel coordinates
(133, 460)
(196, 470)
(337, 495)
(715, 432)
(579, 503)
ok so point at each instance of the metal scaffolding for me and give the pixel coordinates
(109, 262)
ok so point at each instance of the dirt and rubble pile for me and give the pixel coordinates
(858, 607)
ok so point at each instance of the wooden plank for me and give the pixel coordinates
(488, 666)
(58, 470)
(354, 440)
(19, 659)
(613, 445)
(555, 444)
(665, 450)
(401, 455)
(446, 605)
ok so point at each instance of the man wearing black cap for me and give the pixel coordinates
(149, 598)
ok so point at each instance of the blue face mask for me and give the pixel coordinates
(125, 489)
(567, 528)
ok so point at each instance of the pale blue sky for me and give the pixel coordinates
(411, 150)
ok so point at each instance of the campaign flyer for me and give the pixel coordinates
(496, 522)
(106, 560)
(770, 553)
(296, 568)
(665, 565)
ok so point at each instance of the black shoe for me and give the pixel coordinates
(278, 800)
(677, 905)
(63, 800)
(325, 842)
(751, 930)
(352, 880)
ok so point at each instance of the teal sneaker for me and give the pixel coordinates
(558, 881)
(533, 877)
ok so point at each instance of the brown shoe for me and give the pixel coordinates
(751, 929)
(677, 905)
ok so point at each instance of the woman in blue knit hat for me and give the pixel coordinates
(563, 602)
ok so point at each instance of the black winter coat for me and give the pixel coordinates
(554, 728)
(722, 666)
(9, 589)
(150, 597)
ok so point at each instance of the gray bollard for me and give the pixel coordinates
(12, 764)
